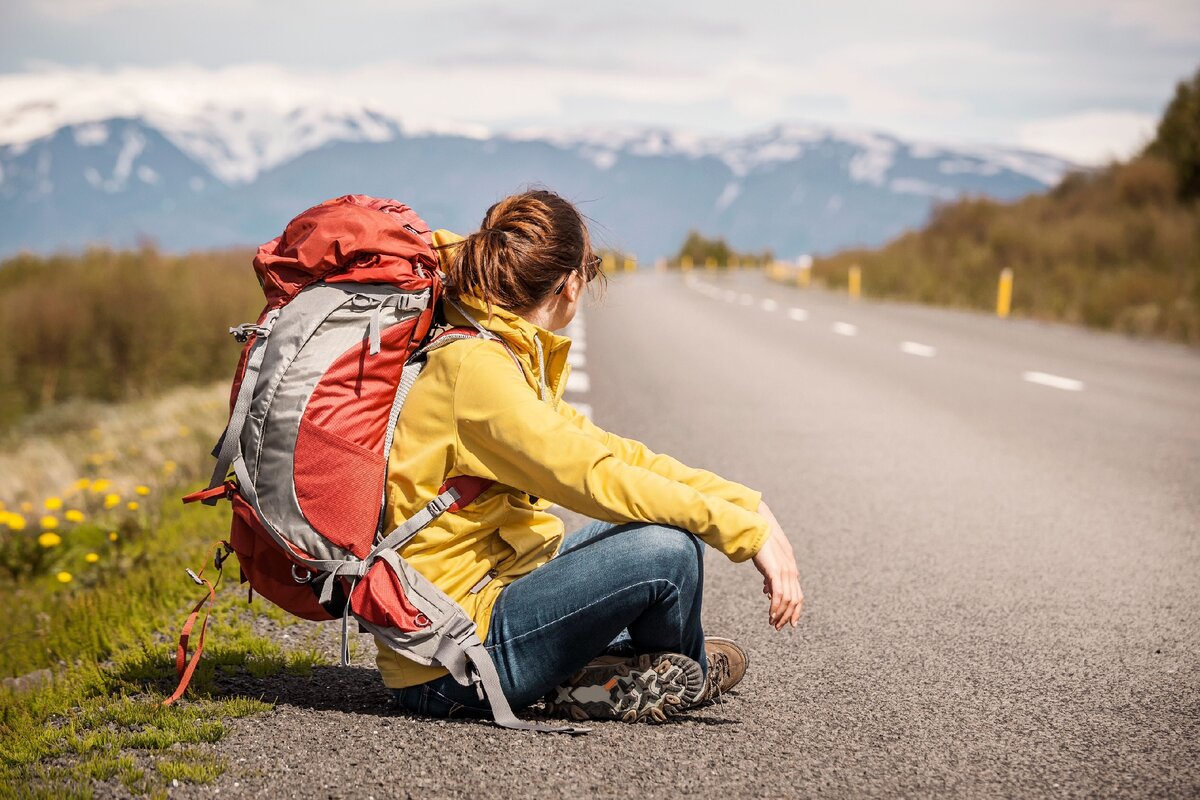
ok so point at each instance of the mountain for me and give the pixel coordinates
(212, 175)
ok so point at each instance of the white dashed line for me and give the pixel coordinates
(768, 305)
(576, 358)
(1053, 381)
(746, 300)
(918, 349)
(844, 329)
(578, 382)
(798, 314)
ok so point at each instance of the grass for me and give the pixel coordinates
(1113, 250)
(117, 325)
(90, 659)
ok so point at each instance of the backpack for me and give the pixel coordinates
(351, 287)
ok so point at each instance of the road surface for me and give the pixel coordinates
(998, 525)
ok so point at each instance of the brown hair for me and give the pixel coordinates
(528, 243)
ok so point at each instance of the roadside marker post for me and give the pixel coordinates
(855, 282)
(1004, 293)
(609, 263)
(630, 264)
(804, 277)
(710, 264)
(685, 263)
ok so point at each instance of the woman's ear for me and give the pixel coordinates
(574, 287)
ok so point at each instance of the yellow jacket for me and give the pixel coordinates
(472, 413)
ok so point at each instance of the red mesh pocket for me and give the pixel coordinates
(339, 487)
(379, 599)
(340, 467)
(268, 569)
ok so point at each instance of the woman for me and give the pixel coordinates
(606, 622)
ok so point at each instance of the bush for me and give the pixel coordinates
(111, 326)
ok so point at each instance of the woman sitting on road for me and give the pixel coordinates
(605, 623)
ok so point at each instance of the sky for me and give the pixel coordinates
(1083, 79)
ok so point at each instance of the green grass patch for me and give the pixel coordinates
(96, 723)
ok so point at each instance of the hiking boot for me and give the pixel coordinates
(645, 688)
(727, 664)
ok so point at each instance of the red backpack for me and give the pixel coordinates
(351, 289)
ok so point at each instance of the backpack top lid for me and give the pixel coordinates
(354, 238)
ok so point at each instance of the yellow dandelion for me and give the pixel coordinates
(16, 522)
(132, 505)
(64, 577)
(27, 506)
(73, 515)
(49, 522)
(49, 539)
(92, 558)
(169, 466)
(112, 500)
(101, 485)
(53, 503)
(112, 536)
(142, 490)
(81, 485)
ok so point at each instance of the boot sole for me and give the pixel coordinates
(646, 688)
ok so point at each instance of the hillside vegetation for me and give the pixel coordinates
(1117, 248)
(112, 326)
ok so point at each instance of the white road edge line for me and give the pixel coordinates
(578, 382)
(1053, 381)
(844, 329)
(918, 349)
(768, 305)
(798, 314)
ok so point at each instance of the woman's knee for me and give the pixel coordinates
(673, 551)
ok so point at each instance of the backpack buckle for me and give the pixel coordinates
(244, 331)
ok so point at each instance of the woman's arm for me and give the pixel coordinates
(508, 435)
(634, 452)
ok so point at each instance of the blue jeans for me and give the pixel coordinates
(632, 588)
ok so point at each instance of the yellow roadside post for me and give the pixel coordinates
(685, 263)
(855, 282)
(710, 263)
(630, 264)
(1004, 294)
(609, 263)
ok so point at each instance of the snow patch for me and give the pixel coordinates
(92, 176)
(132, 145)
(728, 195)
(147, 174)
(91, 134)
(919, 187)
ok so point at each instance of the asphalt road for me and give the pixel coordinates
(998, 525)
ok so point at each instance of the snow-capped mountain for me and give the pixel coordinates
(97, 159)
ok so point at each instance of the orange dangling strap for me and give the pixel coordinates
(185, 667)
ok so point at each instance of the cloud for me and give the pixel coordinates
(1090, 137)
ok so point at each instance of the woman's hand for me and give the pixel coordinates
(781, 576)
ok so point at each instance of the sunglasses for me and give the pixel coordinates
(592, 267)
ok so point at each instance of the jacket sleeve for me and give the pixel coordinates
(634, 452)
(507, 434)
